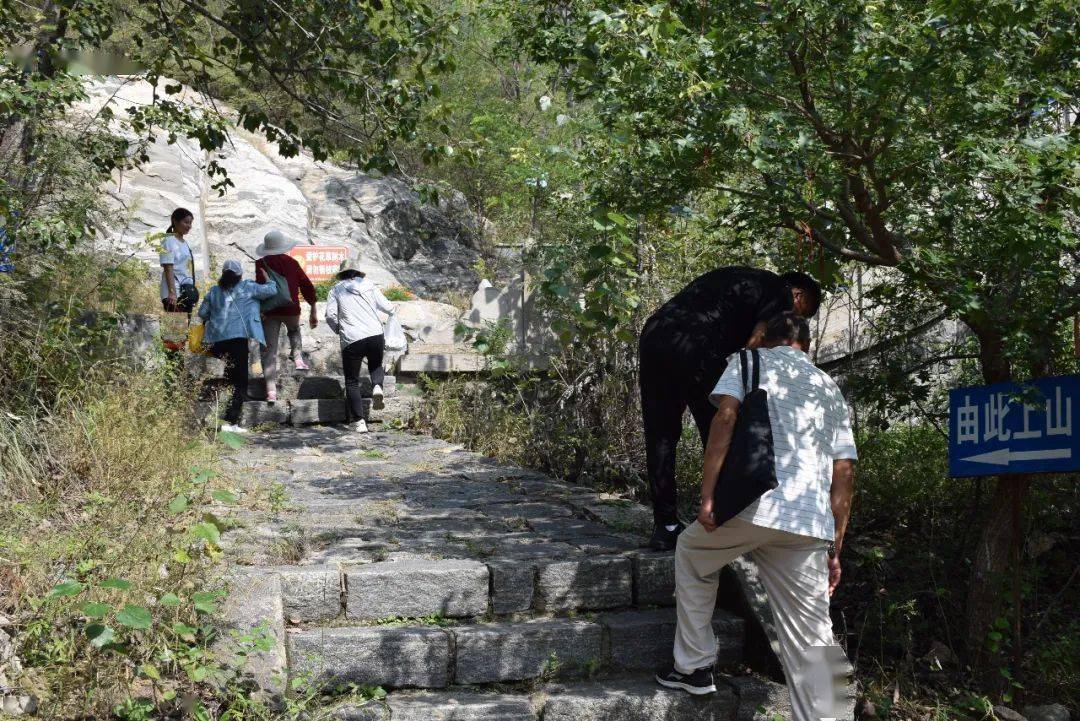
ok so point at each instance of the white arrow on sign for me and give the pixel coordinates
(1004, 456)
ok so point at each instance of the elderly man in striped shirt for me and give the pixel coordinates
(794, 532)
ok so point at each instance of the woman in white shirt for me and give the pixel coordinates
(178, 292)
(352, 312)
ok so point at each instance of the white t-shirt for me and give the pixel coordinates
(811, 428)
(176, 253)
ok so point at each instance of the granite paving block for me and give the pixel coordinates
(496, 652)
(388, 656)
(511, 585)
(588, 583)
(415, 588)
(643, 640)
(636, 701)
(257, 413)
(654, 578)
(320, 387)
(761, 700)
(307, 412)
(311, 593)
(460, 707)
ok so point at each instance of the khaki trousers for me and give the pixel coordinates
(794, 571)
(272, 331)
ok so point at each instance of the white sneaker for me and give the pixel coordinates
(360, 426)
(377, 398)
(230, 428)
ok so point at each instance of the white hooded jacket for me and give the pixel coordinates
(351, 310)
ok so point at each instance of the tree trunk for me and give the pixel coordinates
(992, 573)
(995, 566)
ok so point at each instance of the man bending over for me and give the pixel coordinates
(794, 532)
(683, 350)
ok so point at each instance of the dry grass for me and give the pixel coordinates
(84, 494)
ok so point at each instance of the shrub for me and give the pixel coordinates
(108, 544)
(399, 293)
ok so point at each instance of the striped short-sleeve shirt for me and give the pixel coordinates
(811, 428)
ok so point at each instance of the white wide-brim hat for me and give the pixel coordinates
(349, 264)
(274, 243)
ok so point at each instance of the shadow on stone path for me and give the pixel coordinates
(470, 589)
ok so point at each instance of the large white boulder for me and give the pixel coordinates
(426, 321)
(381, 220)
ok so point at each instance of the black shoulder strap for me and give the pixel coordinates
(743, 362)
(757, 369)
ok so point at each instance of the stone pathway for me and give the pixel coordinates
(465, 588)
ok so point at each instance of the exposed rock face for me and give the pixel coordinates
(396, 237)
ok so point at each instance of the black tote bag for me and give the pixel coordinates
(749, 468)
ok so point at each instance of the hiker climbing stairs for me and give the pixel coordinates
(303, 398)
(467, 589)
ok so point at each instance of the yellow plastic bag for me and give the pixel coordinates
(196, 332)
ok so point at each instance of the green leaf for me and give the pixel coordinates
(204, 601)
(96, 611)
(170, 599)
(225, 496)
(233, 440)
(178, 504)
(207, 531)
(184, 631)
(135, 617)
(117, 583)
(100, 635)
(66, 589)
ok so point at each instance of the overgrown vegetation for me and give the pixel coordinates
(107, 541)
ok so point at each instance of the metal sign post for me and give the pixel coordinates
(1014, 428)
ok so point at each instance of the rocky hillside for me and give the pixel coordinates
(397, 238)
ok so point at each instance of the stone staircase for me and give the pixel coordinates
(306, 399)
(468, 590)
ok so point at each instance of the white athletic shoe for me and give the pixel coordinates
(360, 426)
(377, 398)
(230, 428)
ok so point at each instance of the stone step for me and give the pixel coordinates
(457, 588)
(421, 362)
(427, 656)
(297, 412)
(315, 387)
(637, 698)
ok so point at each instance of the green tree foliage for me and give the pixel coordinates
(364, 69)
(937, 140)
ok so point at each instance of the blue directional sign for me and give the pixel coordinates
(1014, 428)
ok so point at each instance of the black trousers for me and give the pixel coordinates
(668, 387)
(234, 351)
(353, 355)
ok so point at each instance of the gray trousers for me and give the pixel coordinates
(794, 571)
(272, 331)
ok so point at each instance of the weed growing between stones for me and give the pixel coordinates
(278, 498)
(436, 620)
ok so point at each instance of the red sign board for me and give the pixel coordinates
(320, 262)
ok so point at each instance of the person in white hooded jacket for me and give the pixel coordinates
(352, 311)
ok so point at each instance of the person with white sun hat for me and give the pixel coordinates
(273, 259)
